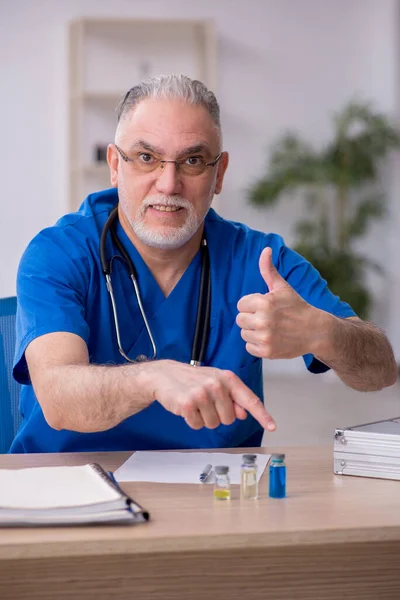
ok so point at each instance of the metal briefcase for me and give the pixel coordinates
(370, 450)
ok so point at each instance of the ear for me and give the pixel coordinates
(222, 167)
(112, 159)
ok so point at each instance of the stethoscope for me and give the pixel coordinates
(203, 306)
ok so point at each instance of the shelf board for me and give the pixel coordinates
(93, 26)
(96, 169)
(98, 96)
(100, 168)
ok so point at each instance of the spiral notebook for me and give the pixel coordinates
(64, 496)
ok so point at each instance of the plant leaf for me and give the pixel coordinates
(363, 213)
(293, 163)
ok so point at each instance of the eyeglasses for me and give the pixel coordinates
(145, 162)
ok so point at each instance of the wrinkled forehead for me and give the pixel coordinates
(169, 124)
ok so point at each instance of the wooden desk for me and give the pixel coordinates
(333, 537)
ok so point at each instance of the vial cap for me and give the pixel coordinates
(221, 470)
(249, 459)
(277, 457)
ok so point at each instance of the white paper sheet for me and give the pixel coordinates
(53, 487)
(182, 467)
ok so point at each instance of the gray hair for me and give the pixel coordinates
(171, 86)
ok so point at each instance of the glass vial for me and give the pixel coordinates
(248, 478)
(222, 484)
(277, 476)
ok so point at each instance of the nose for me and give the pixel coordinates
(169, 180)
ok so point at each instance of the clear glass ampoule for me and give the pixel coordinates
(222, 484)
(248, 480)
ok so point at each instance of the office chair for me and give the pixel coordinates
(9, 388)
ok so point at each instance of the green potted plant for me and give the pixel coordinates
(341, 184)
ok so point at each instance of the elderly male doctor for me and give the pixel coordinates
(214, 298)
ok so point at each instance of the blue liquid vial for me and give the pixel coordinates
(277, 476)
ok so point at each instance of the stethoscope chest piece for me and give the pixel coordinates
(141, 358)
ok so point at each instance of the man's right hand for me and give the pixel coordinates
(83, 397)
(205, 396)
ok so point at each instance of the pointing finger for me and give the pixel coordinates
(245, 398)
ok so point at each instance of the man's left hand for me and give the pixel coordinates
(278, 324)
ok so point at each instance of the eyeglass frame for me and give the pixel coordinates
(162, 162)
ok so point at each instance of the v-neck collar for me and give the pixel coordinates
(148, 285)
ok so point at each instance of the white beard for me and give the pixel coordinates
(170, 238)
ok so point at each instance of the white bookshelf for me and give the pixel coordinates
(106, 58)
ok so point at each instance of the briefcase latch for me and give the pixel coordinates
(339, 437)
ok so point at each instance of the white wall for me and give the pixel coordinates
(285, 64)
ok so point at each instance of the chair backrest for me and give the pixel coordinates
(9, 388)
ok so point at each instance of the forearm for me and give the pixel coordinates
(89, 398)
(358, 352)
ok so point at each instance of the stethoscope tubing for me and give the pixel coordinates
(202, 327)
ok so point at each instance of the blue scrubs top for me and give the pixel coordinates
(61, 287)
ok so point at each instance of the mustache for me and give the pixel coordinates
(163, 200)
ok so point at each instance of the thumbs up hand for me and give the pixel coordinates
(278, 324)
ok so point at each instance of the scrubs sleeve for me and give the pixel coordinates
(309, 284)
(52, 283)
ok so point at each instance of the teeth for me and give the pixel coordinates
(163, 208)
